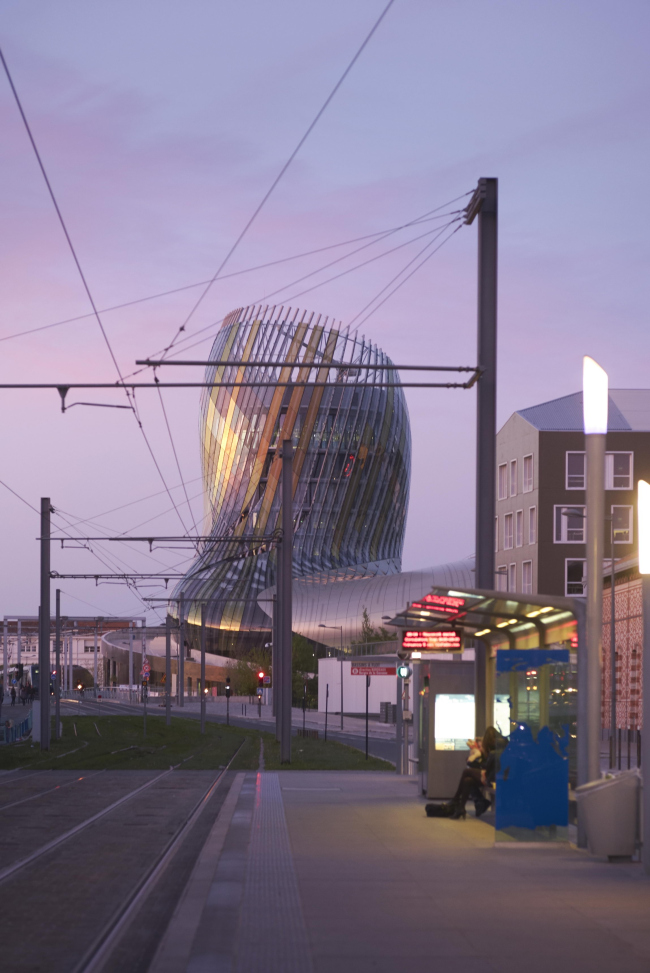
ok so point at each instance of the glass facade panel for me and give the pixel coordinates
(351, 465)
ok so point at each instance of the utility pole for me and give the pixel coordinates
(274, 652)
(44, 627)
(5, 659)
(286, 557)
(57, 666)
(643, 514)
(612, 650)
(399, 727)
(277, 639)
(130, 662)
(341, 678)
(595, 399)
(484, 203)
(168, 670)
(181, 651)
(95, 660)
(202, 668)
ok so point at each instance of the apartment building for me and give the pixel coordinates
(541, 479)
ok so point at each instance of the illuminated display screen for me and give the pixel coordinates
(449, 641)
(502, 714)
(454, 721)
(440, 603)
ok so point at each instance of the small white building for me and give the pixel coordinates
(383, 689)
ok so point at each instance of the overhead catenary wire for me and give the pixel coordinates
(373, 237)
(237, 273)
(349, 270)
(258, 209)
(182, 346)
(107, 561)
(104, 612)
(80, 271)
(408, 276)
(131, 503)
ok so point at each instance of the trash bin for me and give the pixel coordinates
(609, 809)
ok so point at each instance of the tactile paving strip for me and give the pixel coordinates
(272, 932)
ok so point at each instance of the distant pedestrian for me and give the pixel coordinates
(13, 696)
(23, 695)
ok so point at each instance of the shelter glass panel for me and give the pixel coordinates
(537, 756)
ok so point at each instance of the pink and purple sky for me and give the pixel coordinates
(162, 125)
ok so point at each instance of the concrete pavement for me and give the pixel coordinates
(343, 873)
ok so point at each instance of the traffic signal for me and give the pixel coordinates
(19, 670)
(260, 682)
(403, 672)
(227, 686)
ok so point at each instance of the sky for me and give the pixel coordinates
(162, 125)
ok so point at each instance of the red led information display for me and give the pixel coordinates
(447, 604)
(433, 641)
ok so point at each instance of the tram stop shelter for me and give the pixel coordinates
(533, 647)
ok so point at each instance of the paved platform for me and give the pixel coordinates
(343, 873)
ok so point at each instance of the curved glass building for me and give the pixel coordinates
(351, 465)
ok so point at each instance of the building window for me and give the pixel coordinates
(519, 528)
(496, 534)
(513, 477)
(575, 579)
(527, 577)
(508, 530)
(528, 474)
(575, 471)
(503, 481)
(512, 577)
(502, 578)
(532, 525)
(618, 471)
(570, 525)
(622, 524)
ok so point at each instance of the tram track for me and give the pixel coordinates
(19, 780)
(57, 787)
(15, 867)
(107, 870)
(100, 951)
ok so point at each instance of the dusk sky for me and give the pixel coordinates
(163, 124)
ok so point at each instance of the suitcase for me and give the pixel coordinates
(440, 810)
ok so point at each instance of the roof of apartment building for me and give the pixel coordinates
(629, 411)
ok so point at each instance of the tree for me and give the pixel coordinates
(304, 665)
(369, 633)
(243, 675)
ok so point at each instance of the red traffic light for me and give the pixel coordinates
(260, 675)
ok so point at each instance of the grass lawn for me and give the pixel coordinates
(117, 743)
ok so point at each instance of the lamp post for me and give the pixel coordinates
(595, 407)
(340, 628)
(643, 514)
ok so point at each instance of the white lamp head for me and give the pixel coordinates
(595, 395)
(643, 509)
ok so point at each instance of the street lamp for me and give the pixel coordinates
(595, 408)
(643, 515)
(340, 628)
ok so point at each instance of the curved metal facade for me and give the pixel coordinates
(343, 603)
(351, 463)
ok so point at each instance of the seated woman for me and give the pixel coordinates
(480, 770)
